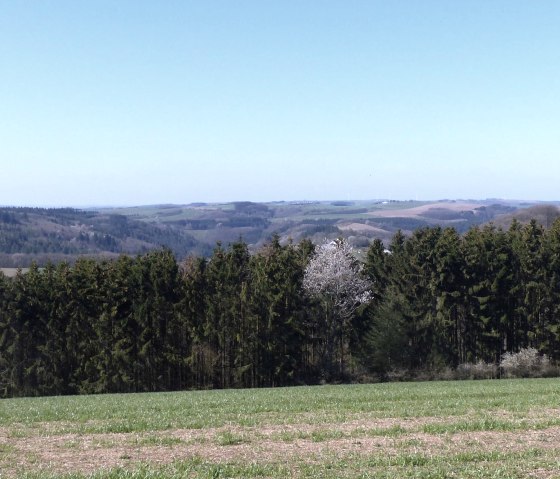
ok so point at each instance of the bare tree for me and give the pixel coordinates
(333, 276)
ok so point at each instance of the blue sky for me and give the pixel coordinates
(142, 102)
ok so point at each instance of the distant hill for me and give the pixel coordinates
(544, 214)
(360, 221)
(41, 234)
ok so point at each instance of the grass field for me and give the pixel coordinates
(469, 429)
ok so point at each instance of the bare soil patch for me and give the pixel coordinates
(418, 211)
(360, 228)
(64, 453)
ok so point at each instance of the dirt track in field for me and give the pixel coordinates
(64, 453)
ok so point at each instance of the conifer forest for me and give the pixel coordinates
(431, 301)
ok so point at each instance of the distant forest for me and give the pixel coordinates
(40, 235)
(439, 299)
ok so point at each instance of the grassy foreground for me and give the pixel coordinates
(469, 429)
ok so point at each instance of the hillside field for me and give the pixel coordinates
(469, 429)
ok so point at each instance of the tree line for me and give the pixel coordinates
(436, 299)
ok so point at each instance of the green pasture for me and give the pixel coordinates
(254, 407)
(332, 421)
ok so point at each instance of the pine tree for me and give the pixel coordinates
(450, 288)
(551, 343)
(6, 364)
(227, 312)
(533, 281)
(202, 353)
(277, 305)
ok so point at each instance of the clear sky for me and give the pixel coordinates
(138, 102)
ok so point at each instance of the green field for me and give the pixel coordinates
(470, 429)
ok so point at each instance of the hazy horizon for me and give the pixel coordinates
(529, 201)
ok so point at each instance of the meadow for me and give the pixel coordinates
(468, 429)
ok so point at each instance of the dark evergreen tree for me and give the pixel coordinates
(415, 278)
(449, 286)
(551, 341)
(228, 313)
(278, 312)
(6, 364)
(201, 358)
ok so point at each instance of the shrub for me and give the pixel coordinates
(478, 370)
(526, 363)
(398, 375)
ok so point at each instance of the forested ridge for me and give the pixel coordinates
(41, 235)
(438, 299)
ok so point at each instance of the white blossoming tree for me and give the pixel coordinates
(333, 276)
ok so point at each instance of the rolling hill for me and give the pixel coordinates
(41, 234)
